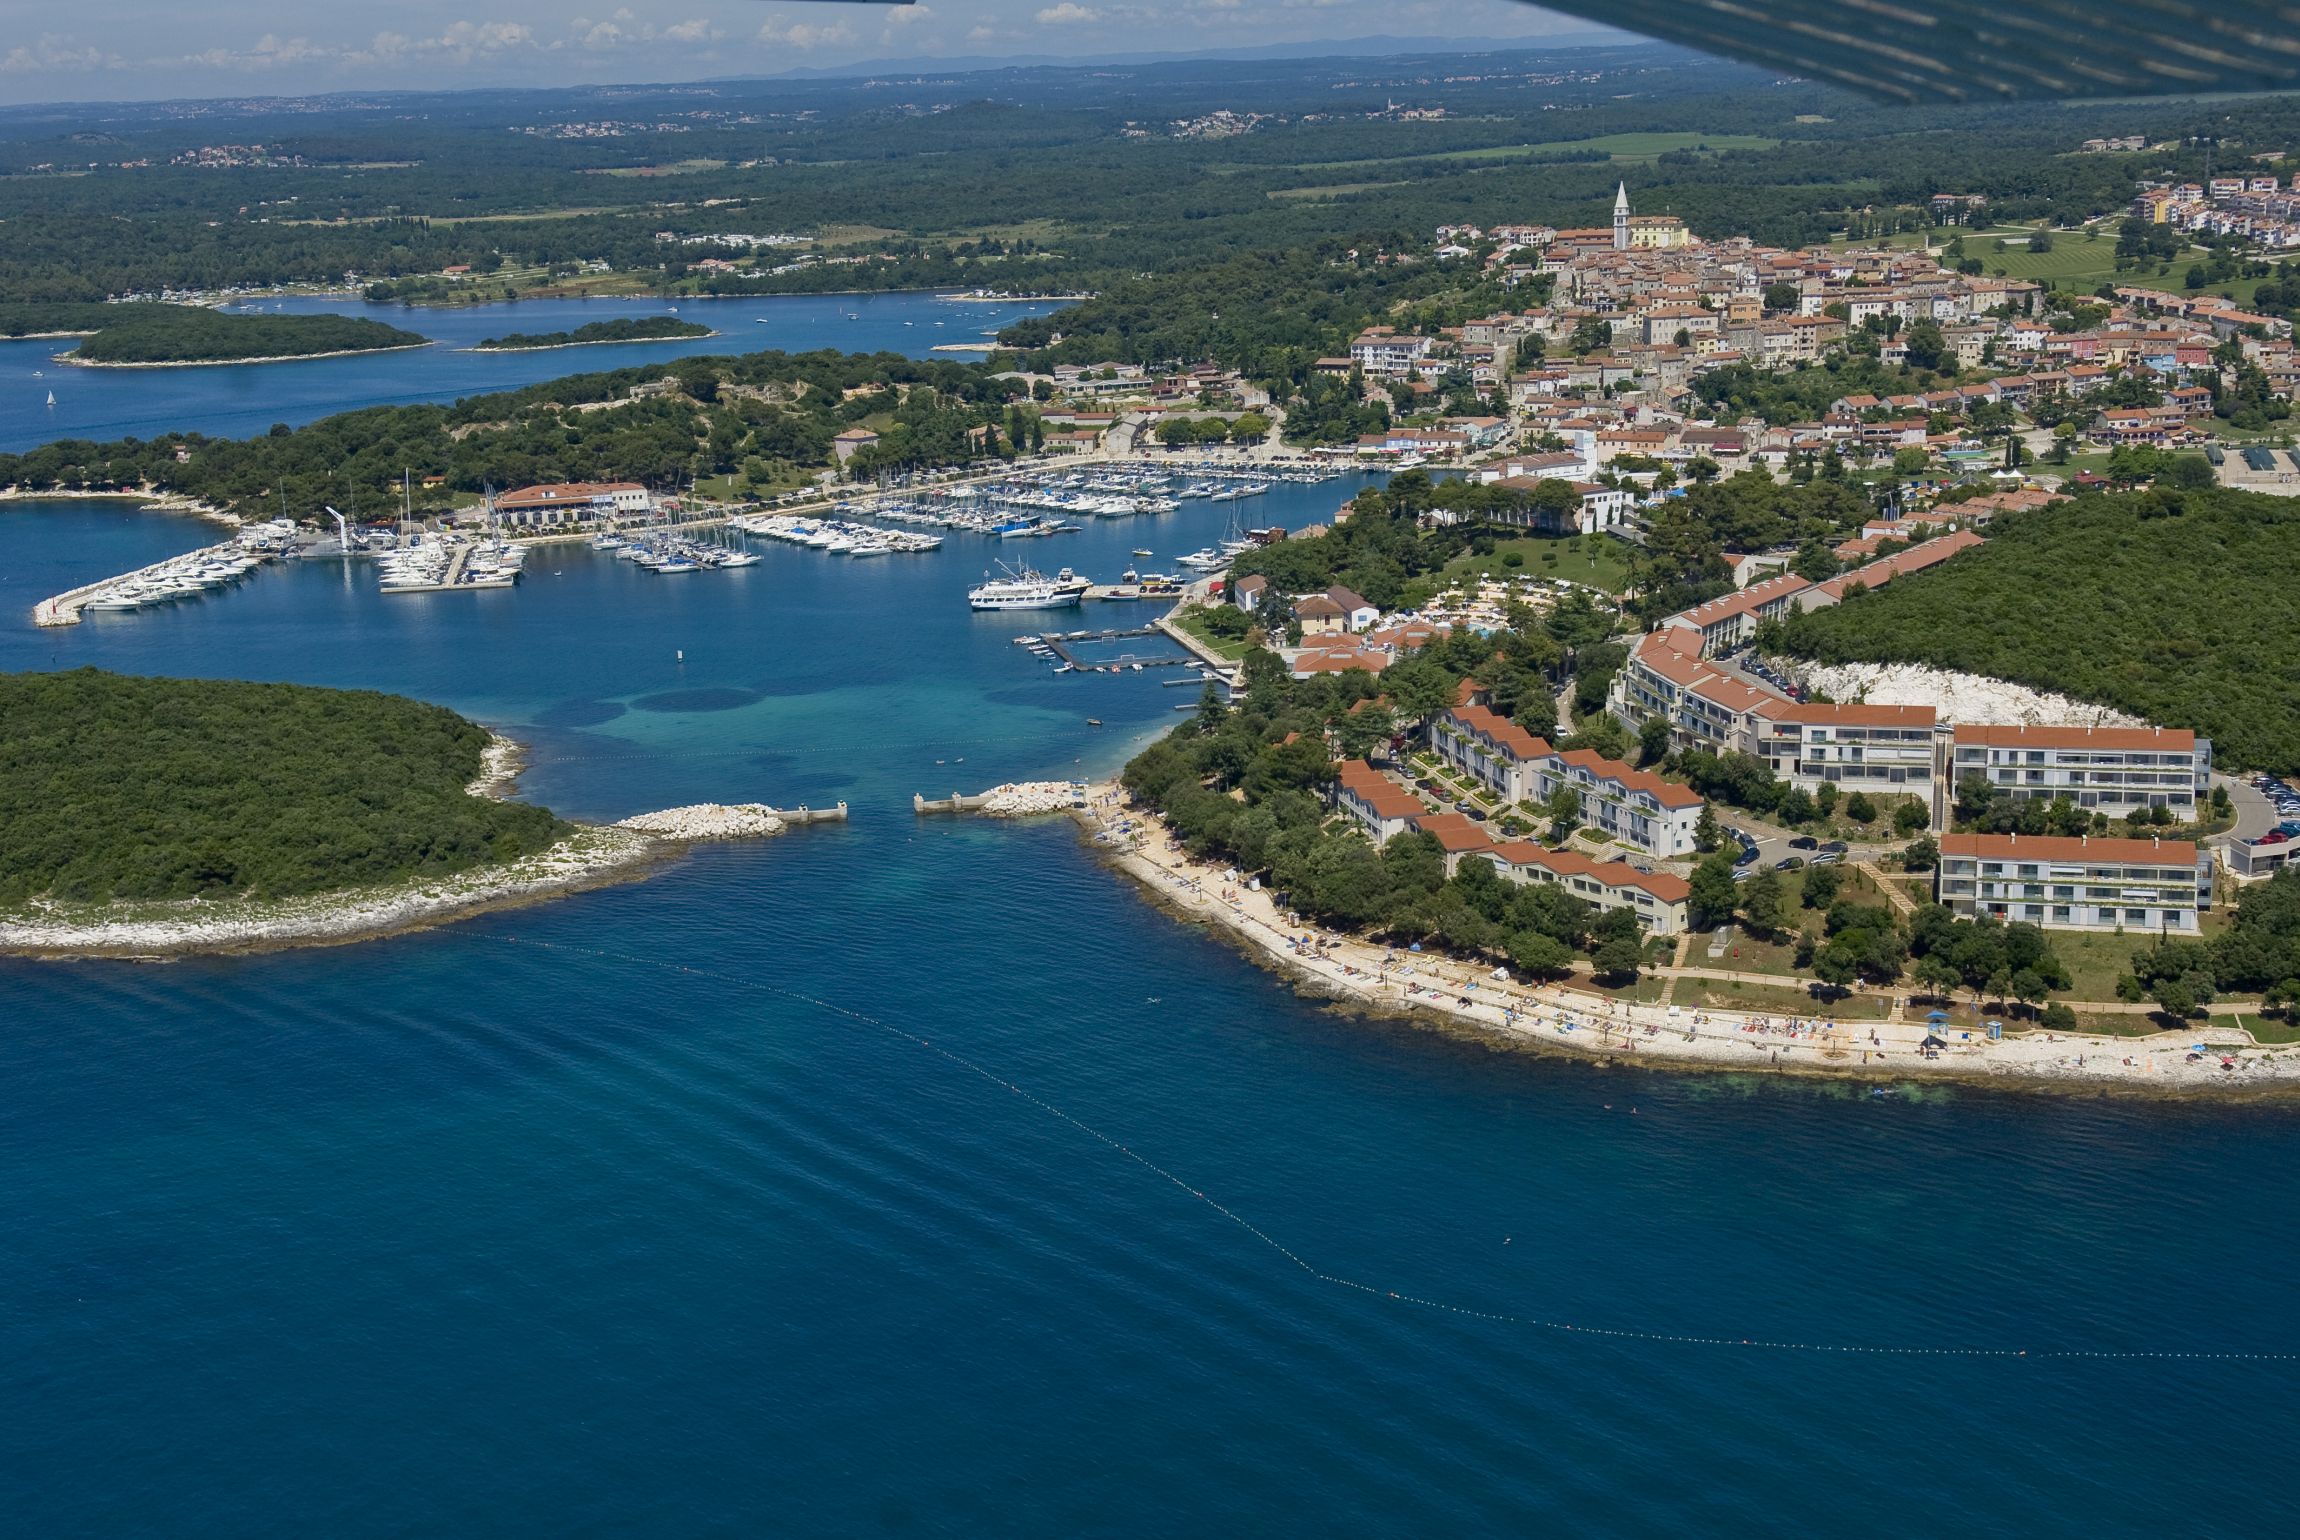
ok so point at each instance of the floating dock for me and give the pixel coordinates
(1057, 645)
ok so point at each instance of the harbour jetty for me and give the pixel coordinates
(179, 577)
(1016, 799)
(724, 821)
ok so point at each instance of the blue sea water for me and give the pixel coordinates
(239, 400)
(864, 1182)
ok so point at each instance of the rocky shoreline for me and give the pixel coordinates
(592, 857)
(75, 361)
(1490, 1006)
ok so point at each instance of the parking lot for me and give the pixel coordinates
(2284, 802)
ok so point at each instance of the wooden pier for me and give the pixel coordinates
(1058, 645)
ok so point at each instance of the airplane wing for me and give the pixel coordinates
(1976, 50)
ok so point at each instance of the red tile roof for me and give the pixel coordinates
(2045, 847)
(1667, 793)
(2160, 740)
(1502, 730)
(1376, 790)
(1455, 831)
(1857, 715)
(1612, 874)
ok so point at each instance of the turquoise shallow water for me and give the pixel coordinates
(588, 1219)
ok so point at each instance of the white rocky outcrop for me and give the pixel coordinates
(1972, 699)
(708, 821)
(1024, 799)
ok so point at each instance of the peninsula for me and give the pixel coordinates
(641, 329)
(165, 817)
(154, 336)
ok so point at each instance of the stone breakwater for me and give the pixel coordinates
(709, 821)
(1015, 799)
(1025, 799)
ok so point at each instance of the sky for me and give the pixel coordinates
(91, 50)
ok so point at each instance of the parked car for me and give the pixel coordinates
(1827, 858)
(1747, 855)
(1837, 847)
(1788, 863)
(1804, 842)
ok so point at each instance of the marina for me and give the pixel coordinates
(190, 576)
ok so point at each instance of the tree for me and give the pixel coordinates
(1926, 346)
(1836, 965)
(1937, 975)
(1542, 956)
(1781, 296)
(1825, 799)
(1618, 959)
(1714, 891)
(1708, 830)
(1822, 884)
(1860, 808)
(1910, 817)
(1764, 904)
(1419, 687)
(1564, 810)
(2028, 987)
(1921, 855)
(1652, 741)
(1364, 730)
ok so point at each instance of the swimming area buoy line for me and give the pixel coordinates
(1376, 1291)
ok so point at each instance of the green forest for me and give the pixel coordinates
(757, 417)
(2180, 607)
(636, 329)
(121, 788)
(180, 334)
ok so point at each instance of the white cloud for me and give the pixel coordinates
(1066, 14)
(805, 37)
(53, 52)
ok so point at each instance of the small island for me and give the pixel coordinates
(155, 817)
(159, 336)
(654, 328)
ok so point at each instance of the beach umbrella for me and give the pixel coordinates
(1936, 1015)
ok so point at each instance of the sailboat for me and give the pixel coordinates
(51, 398)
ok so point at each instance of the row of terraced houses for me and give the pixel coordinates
(1678, 674)
(1383, 810)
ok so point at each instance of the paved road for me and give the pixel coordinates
(2255, 814)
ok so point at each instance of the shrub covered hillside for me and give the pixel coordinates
(175, 334)
(2180, 607)
(127, 788)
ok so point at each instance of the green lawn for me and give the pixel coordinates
(1597, 560)
(1726, 995)
(1194, 621)
(2095, 960)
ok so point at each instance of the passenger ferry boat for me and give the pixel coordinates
(1022, 589)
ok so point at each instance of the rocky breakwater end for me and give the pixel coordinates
(1028, 799)
(709, 821)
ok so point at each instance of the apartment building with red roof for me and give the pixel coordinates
(2142, 887)
(1659, 899)
(2112, 769)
